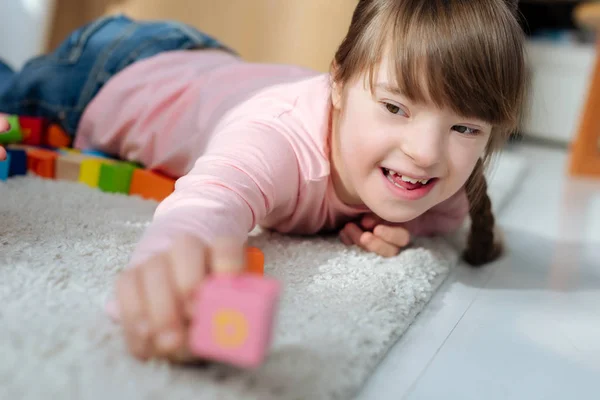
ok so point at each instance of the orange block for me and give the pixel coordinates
(56, 137)
(41, 162)
(255, 261)
(151, 185)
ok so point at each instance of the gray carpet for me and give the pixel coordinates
(63, 243)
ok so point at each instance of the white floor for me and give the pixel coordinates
(525, 327)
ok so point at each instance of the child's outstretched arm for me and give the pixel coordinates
(247, 171)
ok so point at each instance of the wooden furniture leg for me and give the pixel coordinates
(585, 151)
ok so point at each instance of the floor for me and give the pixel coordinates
(525, 327)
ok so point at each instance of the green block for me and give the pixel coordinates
(115, 177)
(14, 135)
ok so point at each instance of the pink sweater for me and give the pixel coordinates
(249, 141)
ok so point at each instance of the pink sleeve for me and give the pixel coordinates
(444, 218)
(247, 170)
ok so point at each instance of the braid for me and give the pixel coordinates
(481, 246)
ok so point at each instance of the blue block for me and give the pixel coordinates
(18, 162)
(5, 167)
(95, 153)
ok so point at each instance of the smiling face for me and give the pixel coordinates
(396, 156)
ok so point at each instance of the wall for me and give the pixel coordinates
(24, 29)
(303, 32)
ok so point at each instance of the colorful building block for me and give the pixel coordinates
(56, 137)
(116, 177)
(255, 261)
(89, 172)
(41, 162)
(151, 185)
(95, 153)
(33, 129)
(13, 135)
(5, 168)
(18, 161)
(68, 166)
(233, 319)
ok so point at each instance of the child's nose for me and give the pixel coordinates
(424, 148)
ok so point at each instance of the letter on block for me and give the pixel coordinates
(151, 185)
(32, 129)
(5, 168)
(116, 178)
(233, 319)
(13, 135)
(42, 162)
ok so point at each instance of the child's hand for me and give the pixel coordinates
(155, 299)
(4, 126)
(375, 235)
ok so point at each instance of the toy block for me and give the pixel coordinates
(56, 137)
(151, 185)
(41, 162)
(32, 129)
(116, 178)
(95, 153)
(13, 135)
(255, 261)
(18, 161)
(5, 168)
(68, 150)
(233, 319)
(68, 166)
(89, 172)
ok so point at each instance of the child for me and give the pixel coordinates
(391, 143)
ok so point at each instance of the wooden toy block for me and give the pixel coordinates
(56, 137)
(116, 178)
(68, 166)
(33, 129)
(151, 185)
(41, 162)
(95, 153)
(233, 319)
(18, 161)
(68, 150)
(255, 261)
(13, 135)
(89, 172)
(5, 168)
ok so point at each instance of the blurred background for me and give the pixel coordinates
(561, 52)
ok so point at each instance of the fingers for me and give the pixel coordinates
(370, 221)
(163, 306)
(4, 125)
(228, 257)
(2, 154)
(373, 242)
(189, 261)
(130, 296)
(395, 235)
(156, 299)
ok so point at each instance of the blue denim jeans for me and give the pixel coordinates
(59, 86)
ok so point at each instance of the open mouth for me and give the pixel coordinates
(406, 182)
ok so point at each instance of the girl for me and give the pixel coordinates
(391, 143)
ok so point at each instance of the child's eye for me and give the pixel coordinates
(394, 109)
(465, 130)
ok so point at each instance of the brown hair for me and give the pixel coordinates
(463, 54)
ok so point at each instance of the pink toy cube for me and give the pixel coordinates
(233, 319)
